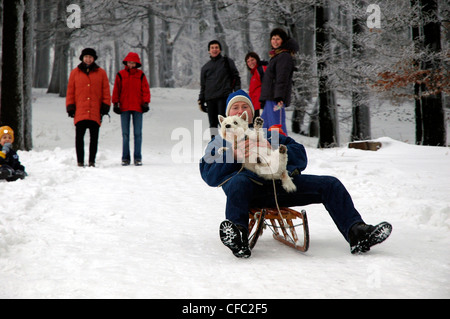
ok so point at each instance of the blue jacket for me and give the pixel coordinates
(216, 168)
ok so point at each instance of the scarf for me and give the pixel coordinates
(275, 52)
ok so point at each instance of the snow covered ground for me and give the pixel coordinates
(152, 231)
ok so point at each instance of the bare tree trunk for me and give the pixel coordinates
(302, 95)
(218, 28)
(151, 49)
(328, 136)
(166, 56)
(244, 11)
(433, 117)
(42, 63)
(12, 99)
(28, 32)
(415, 31)
(58, 82)
(361, 129)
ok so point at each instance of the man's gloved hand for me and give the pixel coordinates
(202, 106)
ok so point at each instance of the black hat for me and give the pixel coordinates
(281, 33)
(88, 51)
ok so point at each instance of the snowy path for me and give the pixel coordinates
(152, 231)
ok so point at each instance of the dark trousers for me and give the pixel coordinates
(216, 107)
(243, 194)
(80, 131)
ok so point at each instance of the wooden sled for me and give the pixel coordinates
(283, 227)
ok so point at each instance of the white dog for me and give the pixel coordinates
(262, 160)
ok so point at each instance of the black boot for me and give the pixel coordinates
(362, 236)
(6, 172)
(17, 175)
(235, 237)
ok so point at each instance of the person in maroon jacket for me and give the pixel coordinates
(131, 98)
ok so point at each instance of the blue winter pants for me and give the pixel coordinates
(125, 118)
(243, 194)
(272, 117)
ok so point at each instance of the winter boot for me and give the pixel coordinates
(362, 236)
(6, 172)
(16, 175)
(235, 237)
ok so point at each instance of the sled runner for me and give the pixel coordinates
(283, 224)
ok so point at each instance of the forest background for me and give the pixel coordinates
(362, 50)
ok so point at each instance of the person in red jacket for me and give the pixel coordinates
(257, 69)
(88, 99)
(131, 96)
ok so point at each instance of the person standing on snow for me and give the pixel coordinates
(277, 84)
(131, 96)
(257, 69)
(245, 189)
(88, 99)
(219, 77)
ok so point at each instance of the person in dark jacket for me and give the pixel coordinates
(131, 96)
(245, 189)
(277, 84)
(219, 77)
(10, 167)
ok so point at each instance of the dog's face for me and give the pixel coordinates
(232, 126)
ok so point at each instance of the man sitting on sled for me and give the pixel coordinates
(244, 190)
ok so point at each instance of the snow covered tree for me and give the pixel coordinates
(419, 72)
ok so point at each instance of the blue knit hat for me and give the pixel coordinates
(239, 96)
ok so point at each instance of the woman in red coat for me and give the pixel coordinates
(131, 96)
(88, 99)
(257, 68)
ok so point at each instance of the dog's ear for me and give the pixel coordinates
(221, 118)
(244, 116)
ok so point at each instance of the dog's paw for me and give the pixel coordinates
(283, 149)
(287, 183)
(259, 122)
(289, 187)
